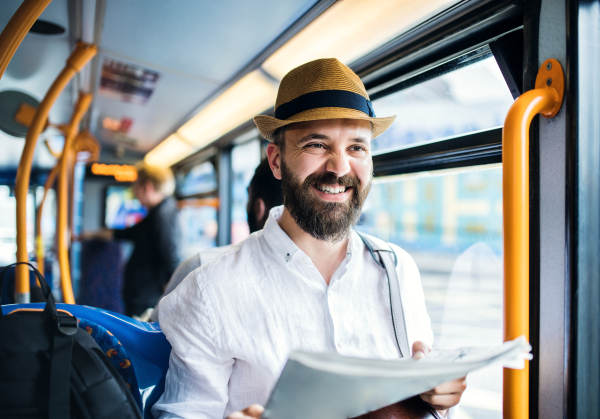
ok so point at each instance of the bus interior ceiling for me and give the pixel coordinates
(176, 84)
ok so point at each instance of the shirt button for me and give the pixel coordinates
(287, 257)
(339, 345)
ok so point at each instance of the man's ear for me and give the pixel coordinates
(260, 209)
(274, 157)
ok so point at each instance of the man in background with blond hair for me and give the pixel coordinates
(156, 240)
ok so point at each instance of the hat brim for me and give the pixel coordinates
(267, 125)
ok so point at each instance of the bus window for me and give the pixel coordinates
(245, 158)
(468, 99)
(200, 179)
(450, 221)
(122, 209)
(8, 227)
(198, 218)
(48, 222)
(197, 184)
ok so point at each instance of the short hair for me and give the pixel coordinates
(161, 178)
(266, 186)
(279, 137)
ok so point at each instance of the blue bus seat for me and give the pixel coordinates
(116, 354)
(101, 279)
(145, 344)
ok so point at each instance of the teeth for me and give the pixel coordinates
(335, 189)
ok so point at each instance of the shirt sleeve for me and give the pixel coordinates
(198, 376)
(182, 271)
(126, 233)
(418, 324)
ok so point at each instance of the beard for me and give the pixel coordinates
(327, 221)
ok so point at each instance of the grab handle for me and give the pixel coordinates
(546, 99)
(82, 54)
(62, 227)
(16, 29)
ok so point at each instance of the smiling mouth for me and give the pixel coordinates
(331, 189)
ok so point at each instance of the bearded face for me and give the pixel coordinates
(327, 221)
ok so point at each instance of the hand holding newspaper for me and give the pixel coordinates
(332, 386)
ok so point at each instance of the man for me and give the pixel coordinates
(156, 240)
(306, 281)
(264, 193)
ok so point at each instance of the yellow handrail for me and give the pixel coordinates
(39, 243)
(83, 142)
(62, 230)
(82, 54)
(546, 98)
(16, 29)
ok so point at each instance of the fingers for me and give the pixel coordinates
(254, 411)
(446, 395)
(251, 412)
(441, 402)
(456, 386)
(419, 349)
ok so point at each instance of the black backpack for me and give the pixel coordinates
(50, 368)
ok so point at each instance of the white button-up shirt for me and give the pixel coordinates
(233, 322)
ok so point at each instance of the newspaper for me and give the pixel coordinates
(332, 386)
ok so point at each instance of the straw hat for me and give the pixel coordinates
(321, 89)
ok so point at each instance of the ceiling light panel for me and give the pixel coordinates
(350, 29)
(169, 152)
(251, 95)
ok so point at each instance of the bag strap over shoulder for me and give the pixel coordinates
(385, 257)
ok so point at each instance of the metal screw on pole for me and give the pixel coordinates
(549, 66)
(548, 82)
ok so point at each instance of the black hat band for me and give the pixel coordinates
(325, 99)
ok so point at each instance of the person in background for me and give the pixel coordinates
(156, 240)
(264, 193)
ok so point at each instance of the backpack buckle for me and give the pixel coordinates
(67, 324)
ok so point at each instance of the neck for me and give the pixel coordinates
(154, 201)
(326, 256)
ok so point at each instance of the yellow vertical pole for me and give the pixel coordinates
(62, 229)
(16, 29)
(546, 99)
(82, 54)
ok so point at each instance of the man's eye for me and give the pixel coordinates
(357, 148)
(316, 145)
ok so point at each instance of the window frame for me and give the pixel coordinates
(473, 149)
(455, 38)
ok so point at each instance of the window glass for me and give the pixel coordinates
(199, 227)
(245, 158)
(469, 99)
(8, 225)
(48, 222)
(122, 209)
(450, 222)
(198, 180)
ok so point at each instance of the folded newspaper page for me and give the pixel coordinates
(331, 386)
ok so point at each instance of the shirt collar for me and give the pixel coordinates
(277, 239)
(286, 249)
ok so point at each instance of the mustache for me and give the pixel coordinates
(330, 178)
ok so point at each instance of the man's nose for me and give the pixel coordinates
(338, 163)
